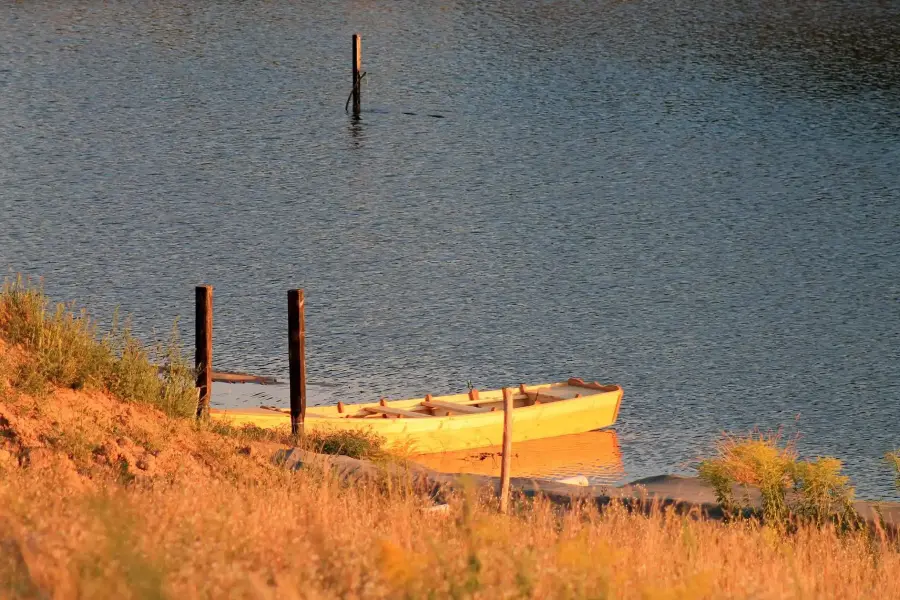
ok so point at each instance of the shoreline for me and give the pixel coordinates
(683, 494)
(242, 394)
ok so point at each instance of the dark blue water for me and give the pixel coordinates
(697, 200)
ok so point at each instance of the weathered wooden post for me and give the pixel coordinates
(297, 359)
(507, 450)
(357, 69)
(203, 313)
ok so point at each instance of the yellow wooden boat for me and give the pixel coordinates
(457, 422)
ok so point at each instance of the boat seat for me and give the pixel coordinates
(388, 411)
(460, 408)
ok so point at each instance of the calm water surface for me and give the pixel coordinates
(697, 200)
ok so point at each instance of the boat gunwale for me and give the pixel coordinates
(379, 422)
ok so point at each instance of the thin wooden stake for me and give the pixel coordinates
(203, 313)
(507, 450)
(357, 69)
(297, 359)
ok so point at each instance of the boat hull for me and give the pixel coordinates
(565, 410)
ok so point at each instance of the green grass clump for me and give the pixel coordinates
(62, 344)
(247, 432)
(894, 459)
(823, 494)
(136, 376)
(63, 349)
(355, 444)
(757, 461)
(791, 490)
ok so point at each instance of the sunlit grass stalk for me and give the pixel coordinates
(307, 536)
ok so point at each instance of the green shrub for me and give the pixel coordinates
(22, 308)
(64, 350)
(758, 461)
(130, 379)
(791, 490)
(355, 444)
(718, 476)
(247, 432)
(63, 347)
(894, 459)
(822, 493)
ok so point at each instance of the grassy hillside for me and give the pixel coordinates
(108, 491)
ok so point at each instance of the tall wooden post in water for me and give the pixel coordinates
(506, 459)
(297, 359)
(357, 69)
(203, 313)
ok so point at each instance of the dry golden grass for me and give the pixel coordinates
(308, 536)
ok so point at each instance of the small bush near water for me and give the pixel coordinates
(355, 444)
(791, 490)
(894, 459)
(62, 348)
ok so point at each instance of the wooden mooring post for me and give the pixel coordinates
(357, 70)
(297, 359)
(203, 325)
(506, 458)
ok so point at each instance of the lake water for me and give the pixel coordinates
(697, 200)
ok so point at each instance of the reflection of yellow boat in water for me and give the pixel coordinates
(594, 454)
(461, 421)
